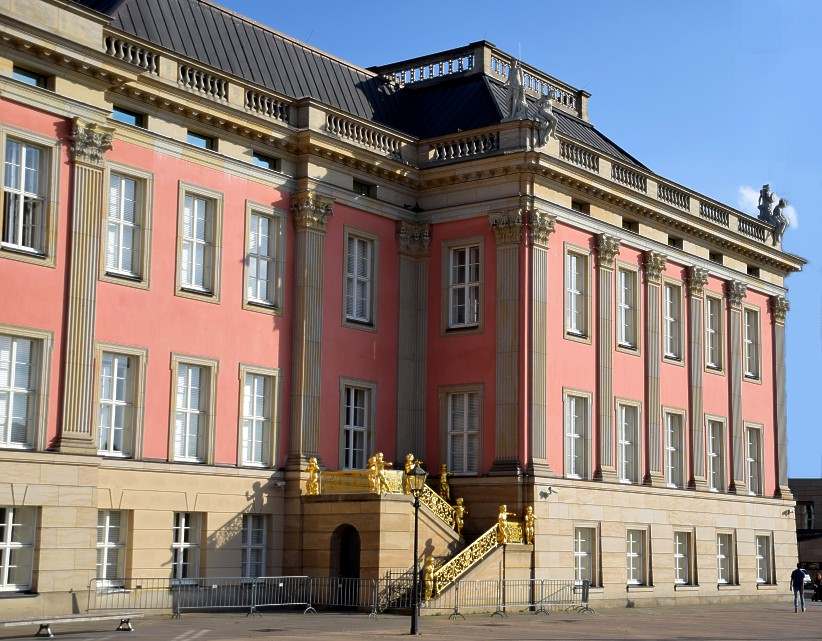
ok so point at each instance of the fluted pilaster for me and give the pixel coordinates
(654, 268)
(735, 292)
(607, 250)
(697, 279)
(779, 312)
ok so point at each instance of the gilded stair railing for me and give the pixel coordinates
(438, 506)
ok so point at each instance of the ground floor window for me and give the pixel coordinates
(585, 555)
(683, 574)
(111, 537)
(185, 546)
(725, 559)
(636, 557)
(16, 548)
(253, 545)
(764, 565)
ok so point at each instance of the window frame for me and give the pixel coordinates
(145, 185)
(209, 412)
(636, 348)
(53, 148)
(733, 574)
(444, 393)
(7, 545)
(373, 240)
(720, 301)
(216, 198)
(277, 307)
(448, 246)
(210, 143)
(138, 356)
(678, 358)
(195, 522)
(748, 429)
(140, 118)
(638, 444)
(749, 376)
(645, 557)
(247, 545)
(595, 554)
(273, 382)
(586, 436)
(41, 80)
(257, 156)
(722, 456)
(689, 555)
(769, 558)
(121, 545)
(681, 450)
(568, 333)
(371, 418)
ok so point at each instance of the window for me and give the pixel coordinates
(805, 515)
(199, 234)
(675, 242)
(191, 412)
(29, 77)
(630, 225)
(116, 404)
(576, 294)
(464, 287)
(672, 337)
(463, 432)
(581, 206)
(751, 343)
(123, 232)
(626, 308)
(716, 257)
(725, 559)
(128, 117)
(764, 568)
(628, 443)
(753, 460)
(674, 450)
(24, 187)
(185, 546)
(18, 390)
(253, 560)
(713, 332)
(636, 557)
(753, 270)
(356, 426)
(359, 279)
(265, 162)
(16, 548)
(584, 555)
(201, 140)
(363, 188)
(263, 260)
(256, 419)
(576, 436)
(682, 558)
(111, 537)
(716, 456)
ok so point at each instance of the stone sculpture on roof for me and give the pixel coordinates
(773, 216)
(518, 105)
(546, 120)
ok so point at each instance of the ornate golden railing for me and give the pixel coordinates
(438, 506)
(356, 482)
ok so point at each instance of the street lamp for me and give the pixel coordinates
(417, 478)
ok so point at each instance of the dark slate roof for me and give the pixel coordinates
(224, 40)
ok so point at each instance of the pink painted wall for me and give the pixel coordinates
(716, 384)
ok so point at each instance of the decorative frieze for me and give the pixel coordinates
(779, 308)
(89, 142)
(507, 227)
(654, 266)
(736, 291)
(310, 210)
(697, 279)
(414, 238)
(607, 250)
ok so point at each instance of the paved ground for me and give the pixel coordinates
(714, 623)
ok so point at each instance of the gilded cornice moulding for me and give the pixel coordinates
(310, 210)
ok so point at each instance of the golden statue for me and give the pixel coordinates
(408, 467)
(428, 578)
(312, 486)
(445, 490)
(502, 520)
(373, 475)
(459, 515)
(529, 525)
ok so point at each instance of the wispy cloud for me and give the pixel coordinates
(748, 201)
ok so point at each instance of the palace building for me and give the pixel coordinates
(225, 252)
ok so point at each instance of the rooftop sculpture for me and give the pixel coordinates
(773, 216)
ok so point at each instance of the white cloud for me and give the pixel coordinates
(748, 201)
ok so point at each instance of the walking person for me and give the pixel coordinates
(817, 587)
(798, 587)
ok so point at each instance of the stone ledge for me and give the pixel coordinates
(686, 588)
(728, 586)
(639, 588)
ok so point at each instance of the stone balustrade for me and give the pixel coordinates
(132, 53)
(432, 68)
(673, 196)
(363, 135)
(714, 213)
(202, 82)
(752, 228)
(629, 177)
(466, 146)
(267, 106)
(579, 156)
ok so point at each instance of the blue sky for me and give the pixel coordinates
(715, 95)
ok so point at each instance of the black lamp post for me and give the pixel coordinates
(417, 482)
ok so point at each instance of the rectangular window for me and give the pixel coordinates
(682, 558)
(362, 188)
(115, 428)
(576, 294)
(764, 567)
(585, 555)
(716, 456)
(128, 117)
(185, 546)
(576, 436)
(197, 261)
(29, 77)
(356, 426)
(25, 184)
(253, 560)
(725, 559)
(713, 332)
(464, 287)
(263, 260)
(191, 412)
(111, 538)
(201, 140)
(256, 419)
(265, 162)
(753, 460)
(672, 335)
(123, 233)
(635, 550)
(463, 432)
(628, 443)
(626, 309)
(359, 279)
(17, 528)
(674, 450)
(751, 343)
(18, 390)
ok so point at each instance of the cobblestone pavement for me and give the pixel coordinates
(714, 623)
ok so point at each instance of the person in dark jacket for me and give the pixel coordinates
(798, 587)
(817, 587)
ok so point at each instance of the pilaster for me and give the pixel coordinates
(735, 292)
(654, 268)
(697, 279)
(779, 312)
(88, 144)
(607, 248)
(414, 244)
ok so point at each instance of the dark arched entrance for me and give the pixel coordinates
(345, 552)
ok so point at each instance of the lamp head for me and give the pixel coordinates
(417, 478)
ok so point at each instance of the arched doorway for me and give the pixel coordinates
(345, 552)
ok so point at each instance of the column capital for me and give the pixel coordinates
(697, 279)
(414, 238)
(654, 266)
(779, 308)
(607, 247)
(507, 226)
(89, 141)
(310, 210)
(735, 291)
(541, 225)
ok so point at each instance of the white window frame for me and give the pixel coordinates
(211, 243)
(269, 379)
(714, 334)
(348, 427)
(754, 471)
(586, 546)
(465, 431)
(577, 288)
(683, 558)
(192, 522)
(105, 547)
(254, 523)
(359, 312)
(716, 459)
(14, 390)
(470, 287)
(39, 225)
(636, 556)
(624, 446)
(126, 405)
(674, 449)
(763, 549)
(577, 434)
(627, 309)
(10, 548)
(752, 343)
(205, 412)
(725, 558)
(272, 302)
(116, 220)
(672, 336)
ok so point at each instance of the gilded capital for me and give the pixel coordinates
(89, 142)
(414, 238)
(697, 279)
(507, 226)
(779, 308)
(310, 210)
(607, 250)
(654, 266)
(540, 226)
(736, 291)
